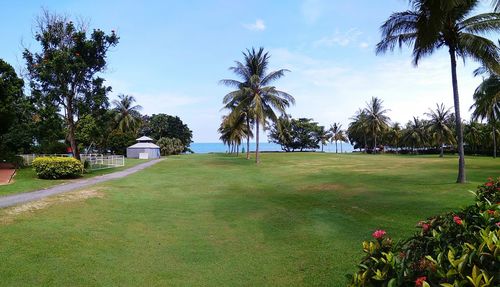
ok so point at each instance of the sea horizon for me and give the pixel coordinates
(219, 147)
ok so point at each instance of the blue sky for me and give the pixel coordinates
(172, 55)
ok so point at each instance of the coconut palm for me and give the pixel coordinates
(415, 135)
(487, 105)
(342, 137)
(127, 115)
(376, 119)
(334, 130)
(394, 136)
(473, 135)
(233, 129)
(254, 94)
(323, 136)
(358, 129)
(438, 126)
(430, 25)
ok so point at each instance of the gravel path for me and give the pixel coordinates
(14, 199)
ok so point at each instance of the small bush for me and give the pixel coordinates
(170, 146)
(57, 167)
(450, 250)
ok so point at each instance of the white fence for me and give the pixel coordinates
(94, 161)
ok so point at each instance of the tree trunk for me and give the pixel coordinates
(458, 120)
(441, 154)
(257, 159)
(248, 137)
(494, 141)
(374, 143)
(321, 147)
(71, 129)
(237, 150)
(365, 143)
(341, 147)
(336, 150)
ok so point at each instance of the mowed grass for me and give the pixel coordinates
(25, 179)
(217, 220)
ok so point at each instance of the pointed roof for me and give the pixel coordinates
(144, 139)
(144, 145)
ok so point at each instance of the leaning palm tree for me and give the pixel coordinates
(487, 105)
(430, 25)
(254, 94)
(438, 126)
(377, 121)
(127, 115)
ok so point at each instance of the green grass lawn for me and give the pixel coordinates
(217, 220)
(25, 179)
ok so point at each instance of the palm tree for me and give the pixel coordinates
(487, 104)
(342, 137)
(127, 116)
(438, 126)
(232, 130)
(394, 136)
(473, 135)
(377, 121)
(335, 130)
(254, 94)
(358, 129)
(431, 25)
(323, 136)
(414, 135)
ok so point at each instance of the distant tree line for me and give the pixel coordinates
(66, 103)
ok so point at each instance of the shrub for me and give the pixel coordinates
(450, 250)
(57, 167)
(169, 146)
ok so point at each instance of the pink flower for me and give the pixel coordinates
(497, 224)
(489, 183)
(426, 227)
(420, 281)
(378, 234)
(457, 220)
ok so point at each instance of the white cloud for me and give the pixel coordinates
(338, 38)
(257, 26)
(364, 45)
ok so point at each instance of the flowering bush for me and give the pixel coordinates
(450, 250)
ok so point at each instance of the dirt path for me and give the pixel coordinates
(14, 199)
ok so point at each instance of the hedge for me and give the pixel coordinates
(57, 167)
(454, 249)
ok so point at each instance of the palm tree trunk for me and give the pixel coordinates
(336, 151)
(257, 159)
(441, 154)
(248, 137)
(341, 147)
(374, 142)
(458, 120)
(494, 141)
(322, 147)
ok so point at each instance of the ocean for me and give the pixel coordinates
(220, 147)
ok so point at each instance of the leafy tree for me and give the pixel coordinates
(66, 70)
(415, 134)
(438, 127)
(323, 135)
(376, 120)
(430, 25)
(394, 135)
(11, 92)
(118, 141)
(127, 115)
(166, 126)
(337, 134)
(487, 105)
(358, 130)
(233, 129)
(254, 94)
(87, 132)
(296, 134)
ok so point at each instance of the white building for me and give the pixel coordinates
(144, 148)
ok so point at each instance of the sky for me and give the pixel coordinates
(172, 55)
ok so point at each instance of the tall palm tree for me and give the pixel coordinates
(335, 129)
(487, 105)
(253, 92)
(127, 115)
(438, 126)
(377, 121)
(430, 25)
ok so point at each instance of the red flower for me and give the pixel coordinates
(497, 224)
(378, 234)
(420, 281)
(457, 220)
(489, 183)
(491, 212)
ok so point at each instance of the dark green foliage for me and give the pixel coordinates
(296, 134)
(170, 146)
(10, 93)
(118, 141)
(65, 73)
(57, 167)
(166, 126)
(454, 249)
